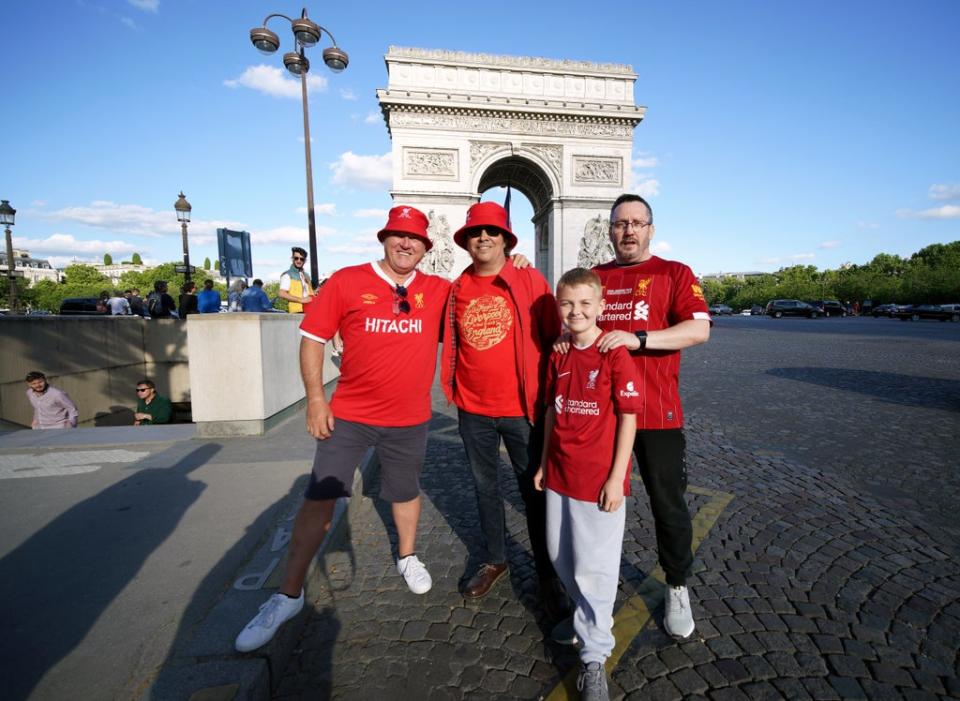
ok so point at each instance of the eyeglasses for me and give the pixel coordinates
(475, 233)
(142, 389)
(299, 258)
(400, 303)
(621, 225)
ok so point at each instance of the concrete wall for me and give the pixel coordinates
(96, 360)
(244, 371)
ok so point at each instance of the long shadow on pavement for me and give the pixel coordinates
(56, 585)
(907, 390)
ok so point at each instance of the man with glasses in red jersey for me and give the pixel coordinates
(655, 308)
(295, 284)
(389, 316)
(500, 323)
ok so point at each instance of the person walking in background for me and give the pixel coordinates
(151, 407)
(294, 283)
(160, 305)
(254, 299)
(119, 306)
(236, 291)
(52, 407)
(208, 299)
(136, 301)
(188, 299)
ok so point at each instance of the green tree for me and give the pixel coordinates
(206, 263)
(216, 265)
(136, 259)
(107, 259)
(273, 290)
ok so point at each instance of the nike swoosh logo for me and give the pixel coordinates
(564, 373)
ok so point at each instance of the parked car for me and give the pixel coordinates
(80, 306)
(757, 310)
(831, 307)
(915, 312)
(889, 310)
(791, 307)
(720, 310)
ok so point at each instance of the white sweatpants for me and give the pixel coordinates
(585, 544)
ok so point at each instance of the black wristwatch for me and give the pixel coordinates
(642, 337)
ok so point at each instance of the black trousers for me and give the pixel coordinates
(661, 456)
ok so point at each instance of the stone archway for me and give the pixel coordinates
(561, 132)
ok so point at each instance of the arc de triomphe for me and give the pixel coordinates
(561, 132)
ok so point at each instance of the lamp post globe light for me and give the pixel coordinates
(7, 214)
(183, 216)
(306, 34)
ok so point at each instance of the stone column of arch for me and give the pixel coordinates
(559, 131)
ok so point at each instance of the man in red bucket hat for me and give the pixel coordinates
(385, 311)
(499, 327)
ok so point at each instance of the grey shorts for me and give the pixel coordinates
(401, 450)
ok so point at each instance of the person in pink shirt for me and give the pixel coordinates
(52, 407)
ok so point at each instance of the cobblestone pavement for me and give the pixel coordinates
(822, 573)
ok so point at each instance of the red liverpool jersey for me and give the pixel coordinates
(648, 296)
(389, 356)
(588, 390)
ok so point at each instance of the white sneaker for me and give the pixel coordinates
(278, 609)
(415, 573)
(678, 618)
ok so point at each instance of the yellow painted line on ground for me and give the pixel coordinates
(635, 613)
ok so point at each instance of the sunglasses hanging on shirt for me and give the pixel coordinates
(400, 303)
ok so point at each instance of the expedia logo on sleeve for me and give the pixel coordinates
(629, 391)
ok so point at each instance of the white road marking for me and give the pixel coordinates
(60, 464)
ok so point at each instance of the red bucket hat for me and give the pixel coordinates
(406, 220)
(487, 215)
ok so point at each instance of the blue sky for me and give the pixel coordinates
(776, 133)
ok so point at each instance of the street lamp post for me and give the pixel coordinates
(7, 214)
(306, 34)
(183, 216)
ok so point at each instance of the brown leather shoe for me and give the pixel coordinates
(482, 582)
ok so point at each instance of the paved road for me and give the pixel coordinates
(823, 459)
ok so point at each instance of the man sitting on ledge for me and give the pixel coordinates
(151, 407)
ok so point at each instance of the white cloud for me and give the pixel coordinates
(138, 220)
(348, 94)
(274, 81)
(132, 218)
(645, 160)
(66, 245)
(288, 234)
(146, 5)
(328, 208)
(867, 225)
(830, 244)
(38, 203)
(128, 22)
(373, 118)
(660, 247)
(944, 192)
(363, 172)
(646, 186)
(371, 213)
(947, 211)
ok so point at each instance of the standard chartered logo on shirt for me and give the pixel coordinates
(558, 404)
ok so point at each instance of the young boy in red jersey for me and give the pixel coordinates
(592, 402)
